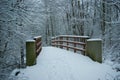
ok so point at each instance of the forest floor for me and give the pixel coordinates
(58, 64)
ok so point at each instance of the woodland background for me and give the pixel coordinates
(23, 19)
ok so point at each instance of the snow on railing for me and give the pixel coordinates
(71, 42)
(33, 48)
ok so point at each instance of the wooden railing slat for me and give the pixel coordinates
(67, 40)
(38, 40)
(81, 43)
(80, 49)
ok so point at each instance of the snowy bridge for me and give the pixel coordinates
(59, 64)
(78, 44)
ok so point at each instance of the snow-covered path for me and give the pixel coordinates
(58, 64)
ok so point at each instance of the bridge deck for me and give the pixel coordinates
(58, 64)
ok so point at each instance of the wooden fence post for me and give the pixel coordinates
(74, 44)
(52, 42)
(94, 49)
(67, 43)
(30, 52)
(57, 42)
(61, 43)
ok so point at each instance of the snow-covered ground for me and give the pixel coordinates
(58, 64)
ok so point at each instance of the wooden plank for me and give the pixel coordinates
(67, 40)
(38, 44)
(74, 36)
(61, 38)
(75, 42)
(38, 50)
(79, 49)
(70, 39)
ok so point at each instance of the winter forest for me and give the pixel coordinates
(23, 19)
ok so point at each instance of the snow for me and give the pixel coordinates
(70, 36)
(58, 64)
(74, 36)
(30, 40)
(94, 39)
(38, 37)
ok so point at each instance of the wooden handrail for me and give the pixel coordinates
(71, 36)
(65, 41)
(38, 41)
(79, 49)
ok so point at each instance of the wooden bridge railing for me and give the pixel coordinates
(33, 48)
(38, 43)
(89, 47)
(77, 43)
